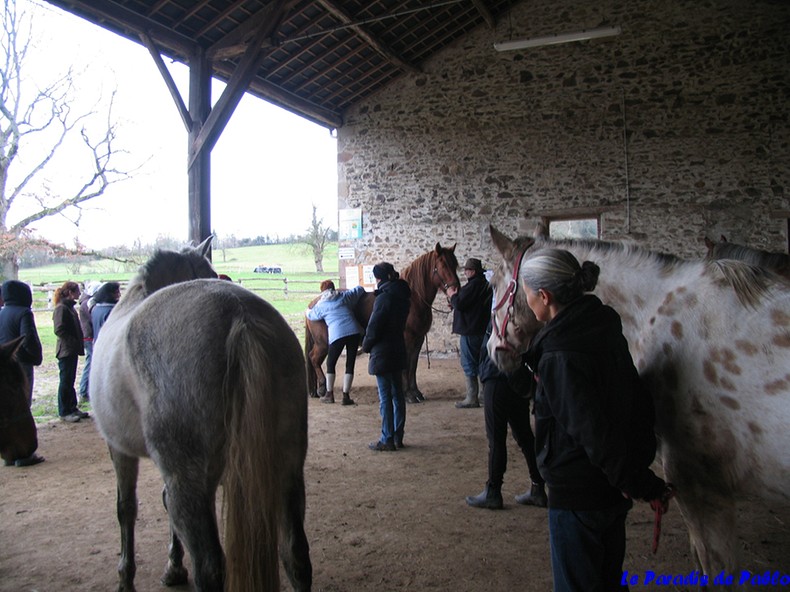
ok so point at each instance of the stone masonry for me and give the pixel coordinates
(674, 130)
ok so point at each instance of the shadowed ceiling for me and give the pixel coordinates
(322, 56)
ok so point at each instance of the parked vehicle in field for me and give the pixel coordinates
(268, 269)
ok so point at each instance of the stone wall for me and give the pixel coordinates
(674, 130)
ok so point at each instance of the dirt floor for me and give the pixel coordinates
(375, 521)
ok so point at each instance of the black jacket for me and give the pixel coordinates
(16, 318)
(384, 334)
(472, 306)
(594, 419)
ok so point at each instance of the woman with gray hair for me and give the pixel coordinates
(593, 422)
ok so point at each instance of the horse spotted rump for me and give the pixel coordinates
(711, 340)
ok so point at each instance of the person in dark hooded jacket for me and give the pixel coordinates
(16, 318)
(385, 343)
(593, 423)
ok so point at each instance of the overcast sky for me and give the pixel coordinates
(268, 167)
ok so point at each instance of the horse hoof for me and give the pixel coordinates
(412, 399)
(175, 576)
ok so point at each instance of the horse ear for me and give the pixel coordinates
(439, 248)
(723, 238)
(502, 243)
(205, 246)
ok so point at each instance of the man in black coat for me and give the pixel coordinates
(471, 312)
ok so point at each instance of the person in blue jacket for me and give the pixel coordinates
(16, 318)
(336, 309)
(385, 343)
(104, 300)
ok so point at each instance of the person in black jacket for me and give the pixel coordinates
(506, 403)
(471, 312)
(385, 343)
(16, 318)
(594, 422)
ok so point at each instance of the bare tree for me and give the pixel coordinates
(316, 238)
(37, 121)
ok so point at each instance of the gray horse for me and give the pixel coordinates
(207, 379)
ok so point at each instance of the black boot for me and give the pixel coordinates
(490, 498)
(536, 496)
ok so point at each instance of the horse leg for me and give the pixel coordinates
(294, 549)
(411, 392)
(317, 357)
(126, 471)
(191, 507)
(175, 572)
(711, 522)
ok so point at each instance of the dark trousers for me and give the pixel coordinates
(588, 548)
(502, 407)
(351, 343)
(67, 396)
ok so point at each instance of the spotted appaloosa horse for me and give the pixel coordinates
(711, 340)
(430, 272)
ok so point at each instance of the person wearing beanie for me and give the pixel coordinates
(471, 312)
(16, 318)
(336, 309)
(104, 300)
(385, 343)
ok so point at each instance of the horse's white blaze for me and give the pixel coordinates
(712, 342)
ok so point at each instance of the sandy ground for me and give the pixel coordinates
(375, 521)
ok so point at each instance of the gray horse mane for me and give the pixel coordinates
(169, 267)
(749, 282)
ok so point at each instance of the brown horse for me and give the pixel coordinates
(18, 438)
(433, 271)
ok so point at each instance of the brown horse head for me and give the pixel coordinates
(445, 268)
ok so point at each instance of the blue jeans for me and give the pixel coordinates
(470, 353)
(86, 368)
(392, 407)
(588, 548)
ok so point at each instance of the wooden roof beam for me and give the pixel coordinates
(380, 47)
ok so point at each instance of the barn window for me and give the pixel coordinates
(573, 228)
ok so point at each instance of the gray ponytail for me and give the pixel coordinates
(558, 271)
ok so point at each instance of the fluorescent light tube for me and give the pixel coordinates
(557, 39)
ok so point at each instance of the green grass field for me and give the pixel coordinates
(289, 292)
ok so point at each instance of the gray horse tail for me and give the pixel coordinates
(251, 499)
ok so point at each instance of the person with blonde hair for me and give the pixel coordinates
(69, 347)
(336, 309)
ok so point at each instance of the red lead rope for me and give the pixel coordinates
(660, 507)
